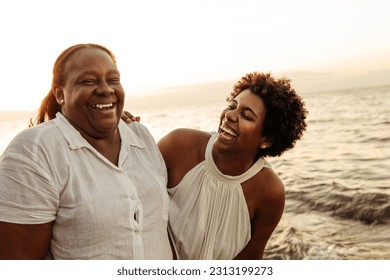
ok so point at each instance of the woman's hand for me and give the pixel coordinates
(127, 117)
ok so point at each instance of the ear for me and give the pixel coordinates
(59, 94)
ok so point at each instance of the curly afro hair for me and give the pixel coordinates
(285, 117)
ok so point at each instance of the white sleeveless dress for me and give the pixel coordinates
(208, 216)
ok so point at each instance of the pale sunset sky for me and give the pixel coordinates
(177, 42)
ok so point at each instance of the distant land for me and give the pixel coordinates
(306, 81)
(197, 94)
(303, 82)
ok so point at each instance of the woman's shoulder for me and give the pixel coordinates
(264, 185)
(184, 138)
(263, 192)
(40, 133)
(268, 176)
(184, 145)
(35, 142)
(137, 134)
(186, 134)
(268, 185)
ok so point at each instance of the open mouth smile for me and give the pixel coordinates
(227, 132)
(107, 106)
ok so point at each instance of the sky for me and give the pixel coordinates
(168, 43)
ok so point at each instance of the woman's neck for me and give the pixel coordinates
(232, 164)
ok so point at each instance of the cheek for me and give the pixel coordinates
(120, 92)
(75, 96)
(252, 129)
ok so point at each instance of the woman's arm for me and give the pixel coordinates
(270, 207)
(24, 242)
(182, 149)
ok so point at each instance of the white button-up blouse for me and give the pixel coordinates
(101, 211)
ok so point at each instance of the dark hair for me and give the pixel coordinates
(49, 106)
(285, 116)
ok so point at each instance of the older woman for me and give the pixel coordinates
(83, 184)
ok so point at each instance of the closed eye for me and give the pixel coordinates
(88, 82)
(114, 81)
(245, 116)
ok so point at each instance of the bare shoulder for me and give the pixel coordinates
(181, 135)
(182, 149)
(265, 191)
(271, 185)
(182, 140)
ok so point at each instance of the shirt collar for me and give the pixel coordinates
(76, 141)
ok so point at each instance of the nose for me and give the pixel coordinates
(105, 89)
(231, 115)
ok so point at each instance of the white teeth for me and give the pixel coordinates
(228, 130)
(101, 106)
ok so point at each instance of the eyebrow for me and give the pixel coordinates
(89, 72)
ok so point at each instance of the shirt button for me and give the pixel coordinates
(136, 231)
(133, 197)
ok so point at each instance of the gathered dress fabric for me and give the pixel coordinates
(208, 216)
(100, 210)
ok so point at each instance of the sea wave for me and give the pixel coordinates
(368, 208)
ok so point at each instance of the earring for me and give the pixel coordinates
(263, 146)
(61, 101)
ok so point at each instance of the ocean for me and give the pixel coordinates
(337, 177)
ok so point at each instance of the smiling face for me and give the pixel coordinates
(92, 94)
(241, 125)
